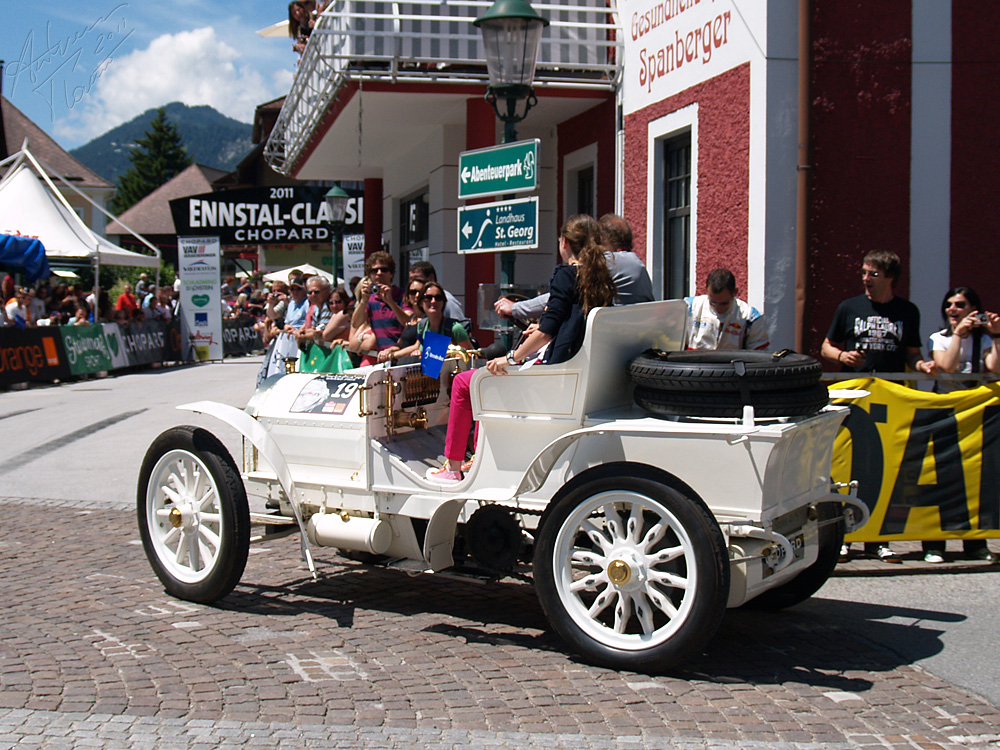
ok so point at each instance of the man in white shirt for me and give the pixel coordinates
(718, 320)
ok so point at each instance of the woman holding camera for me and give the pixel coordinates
(967, 344)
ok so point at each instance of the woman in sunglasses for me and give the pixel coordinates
(967, 344)
(579, 283)
(338, 329)
(411, 300)
(431, 302)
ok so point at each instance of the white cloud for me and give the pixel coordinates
(193, 67)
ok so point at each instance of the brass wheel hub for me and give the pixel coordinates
(619, 572)
(176, 518)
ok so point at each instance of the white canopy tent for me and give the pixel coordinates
(32, 205)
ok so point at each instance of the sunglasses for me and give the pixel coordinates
(433, 298)
(380, 269)
(413, 291)
(315, 291)
(960, 305)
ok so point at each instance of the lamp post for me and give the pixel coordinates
(512, 33)
(337, 199)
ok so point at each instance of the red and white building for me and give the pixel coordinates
(684, 116)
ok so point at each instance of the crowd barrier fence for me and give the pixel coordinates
(60, 352)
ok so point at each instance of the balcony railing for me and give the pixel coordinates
(433, 41)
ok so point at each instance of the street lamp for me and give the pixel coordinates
(512, 32)
(337, 200)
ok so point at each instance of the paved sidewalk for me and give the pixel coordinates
(93, 653)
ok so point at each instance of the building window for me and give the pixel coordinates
(414, 229)
(672, 202)
(585, 191)
(677, 216)
(580, 181)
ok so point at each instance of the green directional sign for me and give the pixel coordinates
(510, 168)
(505, 225)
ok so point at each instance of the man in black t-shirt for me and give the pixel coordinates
(876, 332)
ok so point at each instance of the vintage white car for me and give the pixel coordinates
(638, 529)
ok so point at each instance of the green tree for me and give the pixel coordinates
(158, 156)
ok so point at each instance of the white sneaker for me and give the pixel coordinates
(886, 554)
(935, 558)
(845, 552)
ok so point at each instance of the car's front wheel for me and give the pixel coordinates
(193, 515)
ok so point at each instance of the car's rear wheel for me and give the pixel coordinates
(632, 573)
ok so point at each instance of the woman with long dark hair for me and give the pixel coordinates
(967, 344)
(579, 284)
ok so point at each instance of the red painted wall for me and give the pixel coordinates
(723, 170)
(860, 113)
(595, 125)
(975, 158)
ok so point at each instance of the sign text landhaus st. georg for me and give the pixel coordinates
(504, 225)
(509, 168)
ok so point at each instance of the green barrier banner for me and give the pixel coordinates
(927, 465)
(86, 348)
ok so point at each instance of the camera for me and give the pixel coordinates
(980, 319)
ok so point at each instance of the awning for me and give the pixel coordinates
(64, 273)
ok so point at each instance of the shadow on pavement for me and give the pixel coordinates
(824, 643)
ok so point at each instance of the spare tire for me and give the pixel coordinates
(800, 402)
(716, 371)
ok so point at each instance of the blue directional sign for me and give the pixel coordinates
(504, 225)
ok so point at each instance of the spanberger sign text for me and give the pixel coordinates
(671, 45)
(261, 216)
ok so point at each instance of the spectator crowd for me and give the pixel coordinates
(372, 320)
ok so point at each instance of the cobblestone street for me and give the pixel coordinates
(94, 653)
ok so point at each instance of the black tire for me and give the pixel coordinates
(810, 580)
(679, 621)
(714, 371)
(195, 464)
(802, 402)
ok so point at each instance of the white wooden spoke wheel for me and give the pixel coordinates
(193, 515)
(632, 572)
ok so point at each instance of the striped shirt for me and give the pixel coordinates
(383, 320)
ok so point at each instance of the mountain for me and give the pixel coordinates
(210, 137)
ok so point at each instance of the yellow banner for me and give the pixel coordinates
(927, 465)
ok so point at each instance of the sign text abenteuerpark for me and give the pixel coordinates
(509, 168)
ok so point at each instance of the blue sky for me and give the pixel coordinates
(80, 68)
